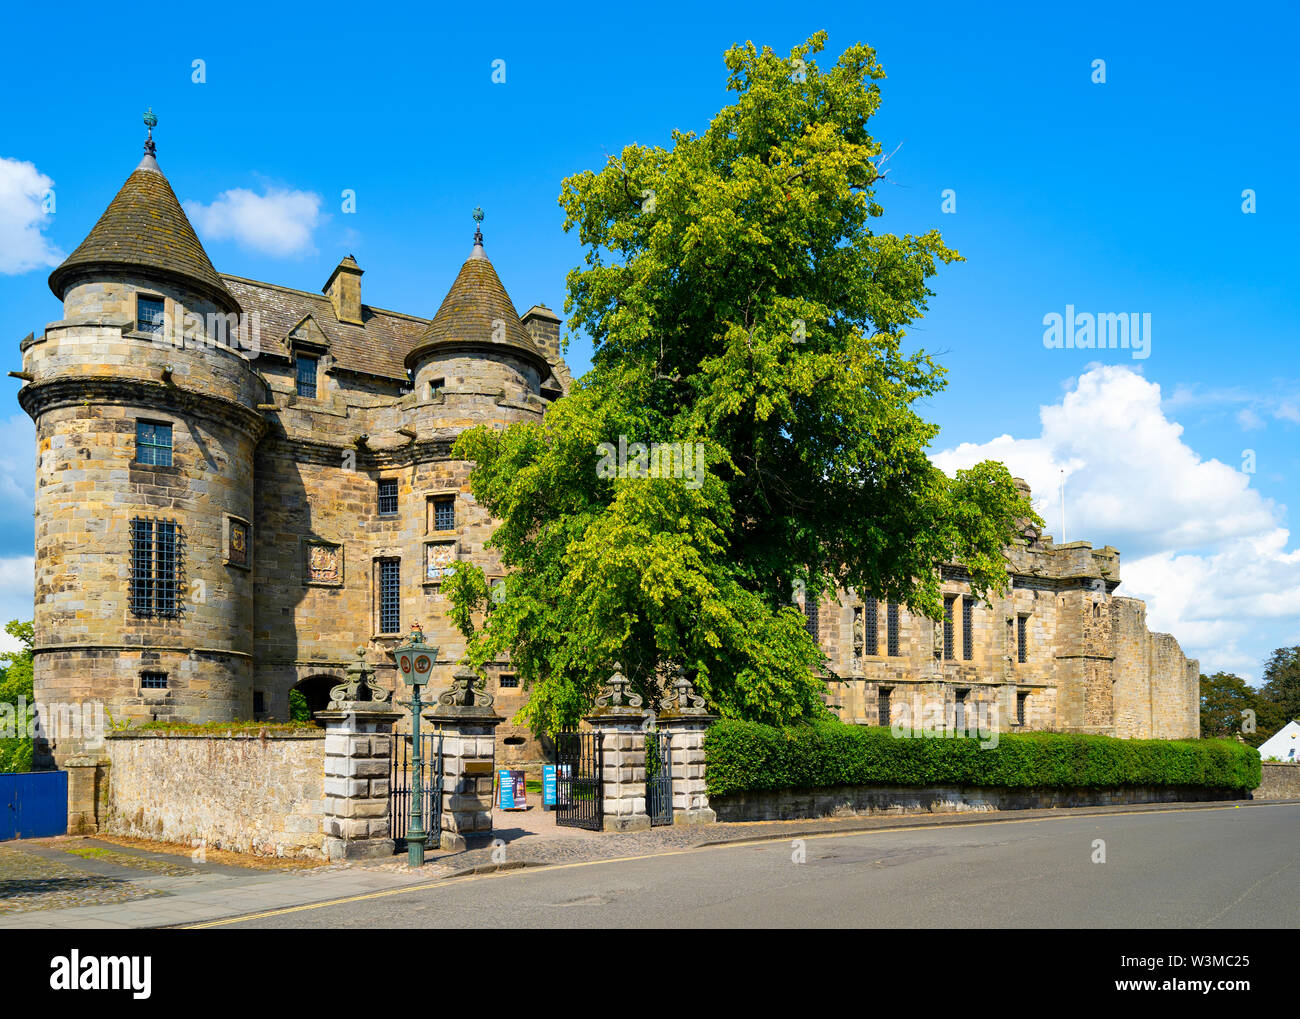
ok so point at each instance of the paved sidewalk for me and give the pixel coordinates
(158, 890)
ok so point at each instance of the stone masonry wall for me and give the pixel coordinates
(246, 793)
(316, 485)
(1280, 782)
(849, 801)
(1090, 664)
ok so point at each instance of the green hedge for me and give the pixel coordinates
(744, 756)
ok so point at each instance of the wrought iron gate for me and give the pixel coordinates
(579, 799)
(401, 782)
(658, 777)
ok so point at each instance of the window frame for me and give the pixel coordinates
(380, 497)
(388, 588)
(158, 327)
(893, 630)
(432, 505)
(157, 568)
(300, 358)
(812, 617)
(140, 445)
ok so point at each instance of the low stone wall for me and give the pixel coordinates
(1280, 782)
(260, 794)
(848, 801)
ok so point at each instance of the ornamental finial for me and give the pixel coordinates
(478, 227)
(150, 121)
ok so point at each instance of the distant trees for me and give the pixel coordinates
(1226, 697)
(15, 692)
(1281, 686)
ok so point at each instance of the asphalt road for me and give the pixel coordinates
(1224, 867)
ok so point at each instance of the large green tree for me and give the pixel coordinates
(738, 300)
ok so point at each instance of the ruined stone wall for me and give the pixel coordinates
(246, 793)
(1132, 689)
(1091, 666)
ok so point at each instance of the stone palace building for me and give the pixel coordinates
(242, 486)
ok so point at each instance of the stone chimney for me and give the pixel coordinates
(544, 327)
(344, 291)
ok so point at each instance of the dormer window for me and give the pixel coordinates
(149, 312)
(304, 370)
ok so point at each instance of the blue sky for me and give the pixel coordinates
(1122, 196)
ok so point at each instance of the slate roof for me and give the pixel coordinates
(144, 227)
(465, 318)
(377, 347)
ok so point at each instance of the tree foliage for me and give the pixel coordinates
(738, 301)
(1227, 701)
(1281, 685)
(15, 689)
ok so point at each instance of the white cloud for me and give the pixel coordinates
(1206, 551)
(16, 587)
(1280, 403)
(1249, 420)
(23, 215)
(279, 222)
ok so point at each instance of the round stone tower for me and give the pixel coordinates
(146, 411)
(476, 355)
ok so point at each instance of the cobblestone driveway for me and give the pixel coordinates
(32, 879)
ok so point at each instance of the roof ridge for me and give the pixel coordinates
(317, 297)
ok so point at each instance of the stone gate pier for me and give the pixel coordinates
(465, 723)
(621, 722)
(686, 721)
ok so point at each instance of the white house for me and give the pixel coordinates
(1283, 745)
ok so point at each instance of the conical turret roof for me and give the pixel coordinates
(144, 227)
(469, 314)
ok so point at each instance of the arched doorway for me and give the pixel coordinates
(313, 694)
